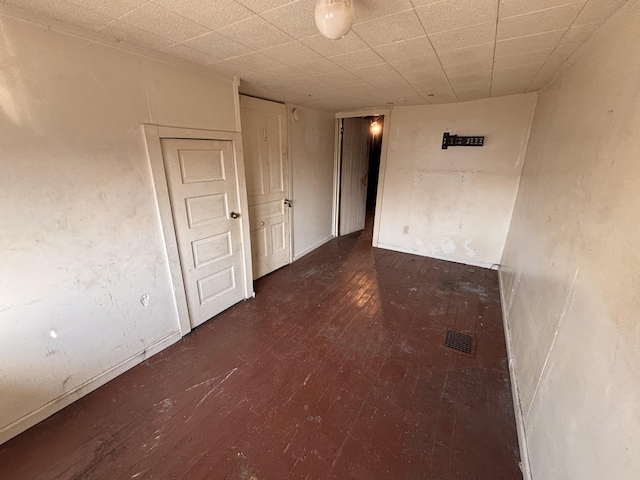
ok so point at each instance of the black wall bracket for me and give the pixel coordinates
(456, 141)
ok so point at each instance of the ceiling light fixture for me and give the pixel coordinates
(334, 17)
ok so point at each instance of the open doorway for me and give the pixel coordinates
(360, 150)
(375, 152)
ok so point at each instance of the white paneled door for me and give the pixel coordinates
(264, 137)
(354, 173)
(202, 181)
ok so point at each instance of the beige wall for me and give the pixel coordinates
(456, 203)
(80, 239)
(312, 158)
(571, 275)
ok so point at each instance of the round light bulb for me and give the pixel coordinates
(334, 17)
(375, 128)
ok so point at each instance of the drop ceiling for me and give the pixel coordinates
(401, 52)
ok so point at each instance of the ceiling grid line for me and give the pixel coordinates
(436, 53)
(556, 47)
(495, 46)
(406, 52)
(123, 15)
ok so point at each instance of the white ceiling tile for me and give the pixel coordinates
(437, 80)
(543, 21)
(471, 83)
(328, 48)
(391, 80)
(135, 35)
(390, 29)
(415, 63)
(419, 73)
(452, 14)
(373, 71)
(292, 53)
(162, 22)
(528, 43)
(386, 58)
(580, 33)
(260, 6)
(421, 3)
(475, 78)
(510, 86)
(526, 58)
(416, 47)
(478, 53)
(407, 98)
(372, 9)
(190, 54)
(255, 33)
(272, 79)
(361, 58)
(64, 11)
(253, 62)
(563, 52)
(218, 46)
(435, 87)
(597, 11)
(213, 14)
(505, 75)
(435, 93)
(442, 98)
(404, 96)
(467, 69)
(553, 65)
(318, 67)
(341, 79)
(228, 68)
(296, 19)
(549, 69)
(285, 74)
(464, 37)
(511, 8)
(112, 8)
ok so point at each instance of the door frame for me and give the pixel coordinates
(369, 112)
(153, 134)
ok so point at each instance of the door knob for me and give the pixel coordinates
(234, 215)
(288, 202)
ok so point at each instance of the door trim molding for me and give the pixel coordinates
(386, 112)
(153, 134)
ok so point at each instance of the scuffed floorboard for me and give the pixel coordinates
(336, 370)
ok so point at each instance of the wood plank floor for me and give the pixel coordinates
(336, 370)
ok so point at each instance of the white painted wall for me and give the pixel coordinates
(80, 239)
(456, 203)
(571, 275)
(312, 159)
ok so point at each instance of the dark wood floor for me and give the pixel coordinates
(336, 370)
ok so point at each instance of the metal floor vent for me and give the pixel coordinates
(462, 342)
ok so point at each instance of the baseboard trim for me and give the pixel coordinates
(515, 392)
(413, 251)
(312, 247)
(17, 427)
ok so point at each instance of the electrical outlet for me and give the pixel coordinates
(405, 229)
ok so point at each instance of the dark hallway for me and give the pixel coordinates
(336, 370)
